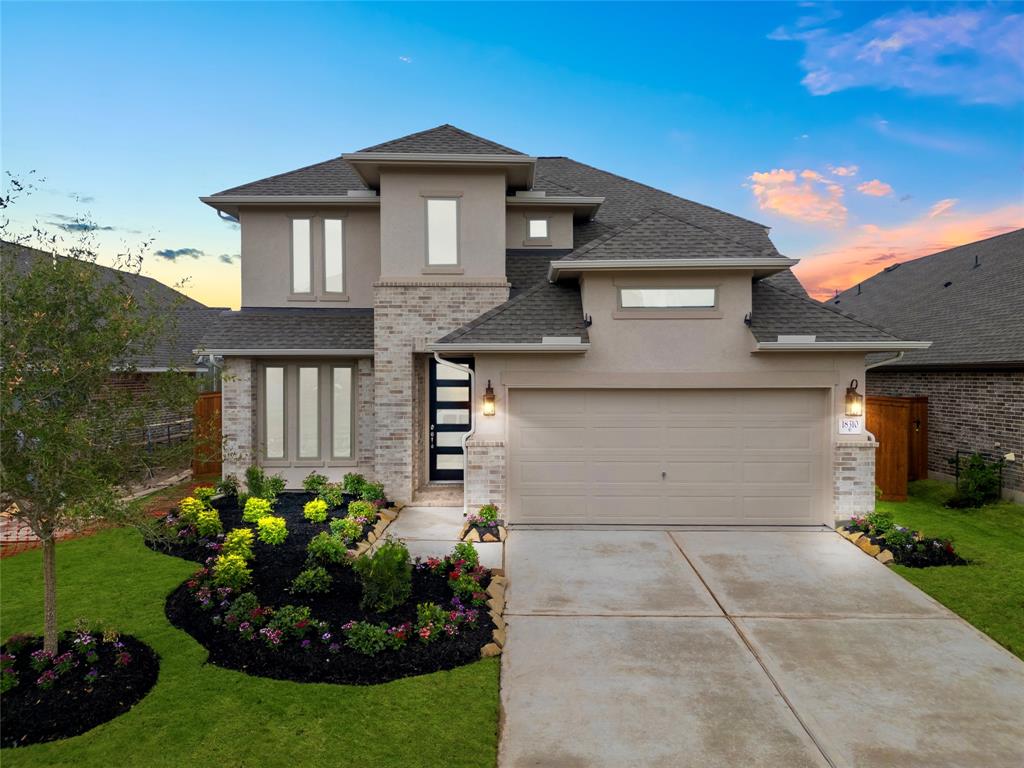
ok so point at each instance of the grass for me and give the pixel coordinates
(200, 715)
(989, 593)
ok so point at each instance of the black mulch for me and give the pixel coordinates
(30, 714)
(925, 553)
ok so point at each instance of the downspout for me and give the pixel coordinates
(472, 418)
(896, 359)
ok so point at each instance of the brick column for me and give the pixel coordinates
(238, 411)
(853, 477)
(485, 473)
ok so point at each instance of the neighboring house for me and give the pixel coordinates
(188, 320)
(647, 359)
(969, 301)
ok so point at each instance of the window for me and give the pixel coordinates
(341, 413)
(537, 229)
(442, 232)
(667, 298)
(274, 412)
(301, 257)
(309, 413)
(334, 256)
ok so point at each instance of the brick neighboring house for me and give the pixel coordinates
(189, 320)
(466, 323)
(969, 301)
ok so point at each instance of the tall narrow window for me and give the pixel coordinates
(309, 413)
(341, 409)
(442, 232)
(274, 416)
(301, 278)
(334, 256)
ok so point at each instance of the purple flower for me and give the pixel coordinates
(333, 648)
(305, 643)
(326, 637)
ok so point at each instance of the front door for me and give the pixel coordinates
(450, 415)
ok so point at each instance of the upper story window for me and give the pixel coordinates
(302, 257)
(668, 298)
(334, 256)
(442, 232)
(537, 229)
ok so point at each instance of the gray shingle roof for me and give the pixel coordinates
(546, 309)
(776, 311)
(444, 139)
(975, 321)
(661, 235)
(525, 267)
(788, 282)
(331, 177)
(272, 328)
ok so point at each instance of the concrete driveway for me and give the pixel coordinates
(711, 648)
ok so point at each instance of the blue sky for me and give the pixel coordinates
(861, 133)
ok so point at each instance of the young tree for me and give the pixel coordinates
(69, 442)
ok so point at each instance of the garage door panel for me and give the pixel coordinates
(776, 509)
(700, 471)
(779, 438)
(627, 438)
(542, 508)
(530, 402)
(550, 438)
(553, 471)
(636, 509)
(704, 509)
(633, 472)
(608, 402)
(801, 472)
(702, 402)
(702, 437)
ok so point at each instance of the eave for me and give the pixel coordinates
(509, 348)
(297, 352)
(230, 204)
(518, 168)
(761, 267)
(582, 207)
(839, 346)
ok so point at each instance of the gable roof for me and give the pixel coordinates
(446, 140)
(966, 300)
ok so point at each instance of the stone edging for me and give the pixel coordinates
(883, 556)
(387, 515)
(474, 536)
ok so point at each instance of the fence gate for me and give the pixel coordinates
(206, 426)
(900, 424)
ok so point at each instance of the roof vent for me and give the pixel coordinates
(977, 261)
(796, 339)
(362, 193)
(891, 267)
(858, 289)
(946, 284)
(531, 193)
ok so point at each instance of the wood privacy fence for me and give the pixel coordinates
(900, 424)
(206, 425)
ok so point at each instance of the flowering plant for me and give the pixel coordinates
(8, 677)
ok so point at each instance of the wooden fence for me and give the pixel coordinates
(206, 424)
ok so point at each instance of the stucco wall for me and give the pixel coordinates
(559, 227)
(969, 410)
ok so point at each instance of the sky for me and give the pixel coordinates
(863, 134)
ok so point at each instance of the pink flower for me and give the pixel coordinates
(425, 632)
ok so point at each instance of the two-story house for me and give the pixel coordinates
(464, 322)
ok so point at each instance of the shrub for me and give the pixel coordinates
(228, 485)
(880, 523)
(315, 511)
(314, 483)
(333, 495)
(292, 620)
(430, 620)
(370, 639)
(899, 537)
(204, 493)
(466, 587)
(466, 552)
(189, 509)
(978, 484)
(271, 530)
(238, 541)
(208, 523)
(232, 571)
(362, 509)
(255, 508)
(353, 483)
(326, 548)
(386, 576)
(315, 579)
(488, 513)
(262, 486)
(348, 529)
(243, 606)
(372, 492)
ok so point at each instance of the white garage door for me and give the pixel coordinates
(669, 456)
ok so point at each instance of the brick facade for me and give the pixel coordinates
(407, 315)
(485, 473)
(238, 412)
(853, 478)
(967, 410)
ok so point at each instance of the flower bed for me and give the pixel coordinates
(484, 526)
(880, 537)
(93, 678)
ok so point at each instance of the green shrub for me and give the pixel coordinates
(348, 529)
(353, 483)
(386, 576)
(430, 616)
(314, 483)
(231, 571)
(292, 620)
(488, 513)
(362, 509)
(208, 523)
(977, 485)
(189, 509)
(315, 579)
(255, 508)
(370, 639)
(315, 511)
(466, 552)
(899, 537)
(372, 492)
(880, 522)
(325, 548)
(259, 484)
(238, 541)
(228, 485)
(243, 606)
(271, 530)
(332, 494)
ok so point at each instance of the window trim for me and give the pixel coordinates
(450, 268)
(294, 295)
(527, 240)
(341, 295)
(666, 313)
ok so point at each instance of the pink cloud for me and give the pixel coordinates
(874, 188)
(942, 207)
(844, 170)
(813, 199)
(860, 254)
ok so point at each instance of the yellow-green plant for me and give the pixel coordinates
(231, 571)
(189, 509)
(204, 493)
(238, 541)
(208, 522)
(315, 511)
(255, 508)
(271, 530)
(362, 509)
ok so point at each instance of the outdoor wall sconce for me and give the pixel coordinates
(854, 400)
(489, 399)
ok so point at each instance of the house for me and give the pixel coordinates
(468, 323)
(969, 301)
(188, 319)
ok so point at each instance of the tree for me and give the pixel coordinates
(69, 442)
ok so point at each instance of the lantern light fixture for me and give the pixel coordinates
(854, 400)
(489, 400)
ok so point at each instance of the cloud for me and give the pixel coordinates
(874, 188)
(844, 170)
(76, 224)
(975, 55)
(942, 207)
(405, 59)
(173, 254)
(860, 254)
(813, 199)
(923, 139)
(229, 258)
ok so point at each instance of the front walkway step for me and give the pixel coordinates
(438, 495)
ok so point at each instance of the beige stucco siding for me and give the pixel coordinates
(559, 227)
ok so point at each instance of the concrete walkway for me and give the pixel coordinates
(433, 531)
(711, 648)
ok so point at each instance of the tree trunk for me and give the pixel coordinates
(50, 593)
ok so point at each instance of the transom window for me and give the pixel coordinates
(302, 277)
(307, 414)
(442, 231)
(537, 229)
(667, 298)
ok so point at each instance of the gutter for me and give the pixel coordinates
(451, 347)
(264, 352)
(896, 359)
(472, 420)
(839, 346)
(775, 264)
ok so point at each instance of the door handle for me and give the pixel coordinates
(664, 474)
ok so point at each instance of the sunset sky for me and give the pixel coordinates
(862, 134)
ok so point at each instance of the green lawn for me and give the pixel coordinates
(199, 715)
(989, 592)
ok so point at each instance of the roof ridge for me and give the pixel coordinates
(835, 310)
(282, 174)
(449, 126)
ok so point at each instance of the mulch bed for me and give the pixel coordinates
(922, 553)
(73, 705)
